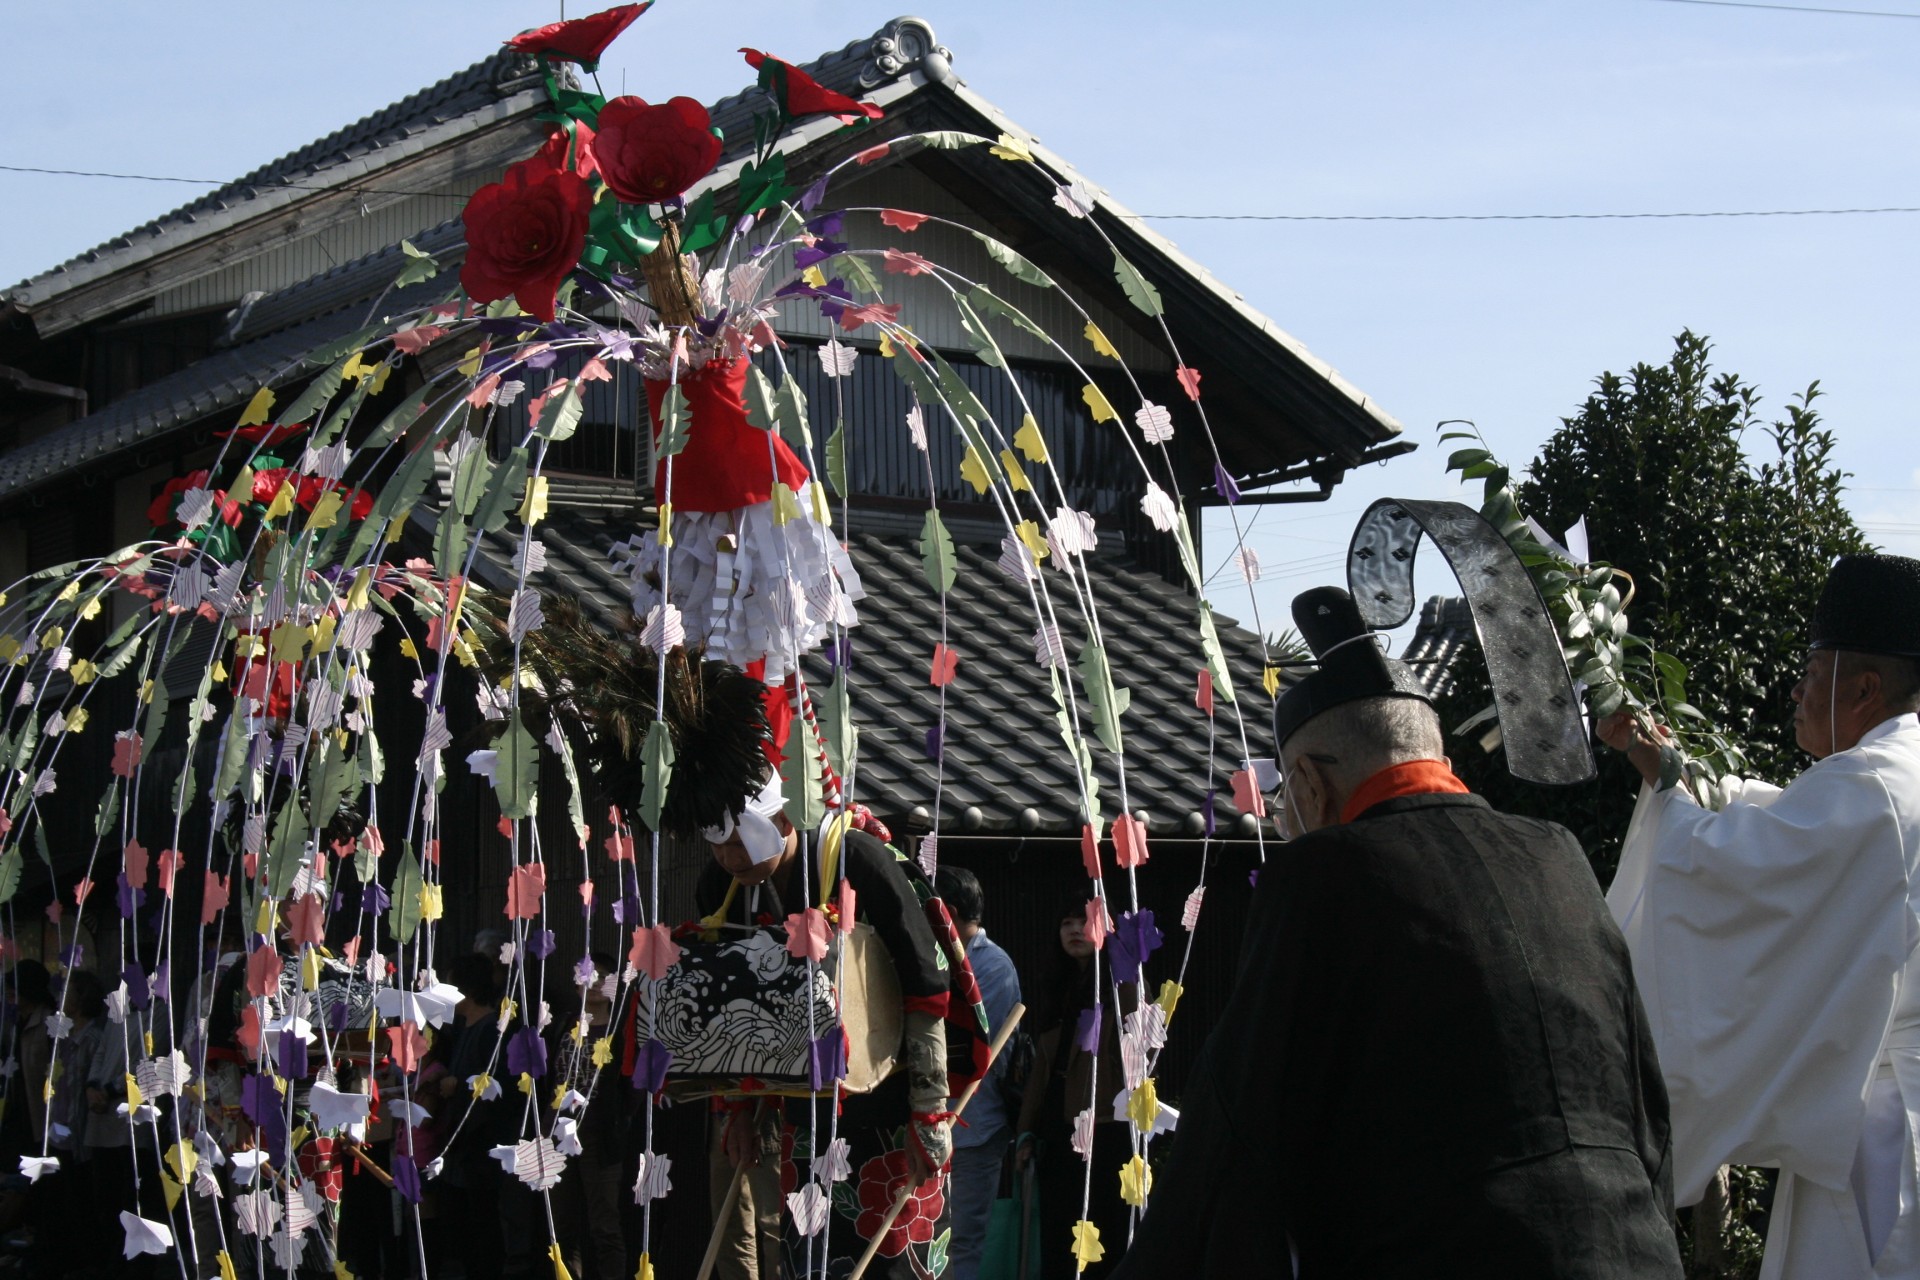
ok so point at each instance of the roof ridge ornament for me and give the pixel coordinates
(904, 45)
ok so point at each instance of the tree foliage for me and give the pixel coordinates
(1727, 524)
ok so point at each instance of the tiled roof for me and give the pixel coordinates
(221, 381)
(1006, 769)
(465, 93)
(1445, 632)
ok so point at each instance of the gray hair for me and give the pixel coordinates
(1899, 677)
(1367, 735)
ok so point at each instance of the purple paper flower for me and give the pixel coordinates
(650, 1066)
(137, 994)
(1133, 941)
(262, 1102)
(128, 897)
(827, 1059)
(583, 971)
(819, 251)
(540, 943)
(374, 899)
(526, 1053)
(406, 1178)
(542, 359)
(1088, 1034)
(1253, 877)
(934, 744)
(292, 1054)
(161, 983)
(834, 298)
(1223, 483)
(840, 653)
(337, 1018)
(810, 200)
(1206, 811)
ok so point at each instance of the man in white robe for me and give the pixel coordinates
(1774, 944)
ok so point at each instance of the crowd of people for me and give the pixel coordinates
(1446, 1052)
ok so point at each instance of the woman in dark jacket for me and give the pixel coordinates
(1076, 1068)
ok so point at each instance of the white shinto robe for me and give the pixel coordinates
(1774, 945)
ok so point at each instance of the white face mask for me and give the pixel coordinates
(762, 840)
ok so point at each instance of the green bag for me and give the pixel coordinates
(1012, 1215)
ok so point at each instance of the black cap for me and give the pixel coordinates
(1871, 604)
(1351, 665)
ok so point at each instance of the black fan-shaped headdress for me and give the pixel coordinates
(601, 687)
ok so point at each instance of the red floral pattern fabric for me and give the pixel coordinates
(881, 1179)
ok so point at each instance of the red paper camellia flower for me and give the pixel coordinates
(648, 153)
(554, 154)
(801, 95)
(160, 510)
(881, 1179)
(582, 40)
(524, 234)
(267, 483)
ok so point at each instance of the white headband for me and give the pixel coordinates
(762, 840)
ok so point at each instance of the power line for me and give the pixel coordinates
(1158, 217)
(226, 182)
(1795, 8)
(1514, 217)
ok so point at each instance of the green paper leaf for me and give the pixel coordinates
(504, 493)
(1014, 262)
(790, 405)
(40, 844)
(516, 770)
(948, 139)
(936, 552)
(937, 1253)
(117, 661)
(914, 373)
(403, 902)
(836, 723)
(763, 402)
(1107, 703)
(837, 459)
(409, 481)
(701, 228)
(675, 419)
(858, 273)
(322, 389)
(470, 480)
(560, 415)
(24, 745)
(764, 185)
(988, 303)
(977, 336)
(1216, 656)
(335, 778)
(656, 774)
(373, 761)
(449, 544)
(10, 868)
(154, 723)
(403, 416)
(576, 802)
(108, 812)
(343, 414)
(284, 847)
(1139, 292)
(420, 266)
(805, 805)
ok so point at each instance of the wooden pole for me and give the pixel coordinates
(720, 1221)
(900, 1201)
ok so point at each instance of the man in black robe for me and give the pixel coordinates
(1434, 1061)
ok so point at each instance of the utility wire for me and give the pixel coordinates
(229, 182)
(1158, 217)
(1795, 8)
(1512, 217)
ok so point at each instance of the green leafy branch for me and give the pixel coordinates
(1621, 671)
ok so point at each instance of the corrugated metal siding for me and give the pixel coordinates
(324, 249)
(928, 305)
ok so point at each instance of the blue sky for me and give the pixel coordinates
(1414, 107)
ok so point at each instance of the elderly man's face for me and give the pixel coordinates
(1813, 705)
(734, 859)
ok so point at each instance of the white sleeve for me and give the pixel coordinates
(1767, 941)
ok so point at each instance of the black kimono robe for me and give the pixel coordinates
(1434, 1063)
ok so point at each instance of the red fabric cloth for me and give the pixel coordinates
(725, 464)
(1411, 778)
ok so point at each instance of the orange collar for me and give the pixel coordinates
(1409, 778)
